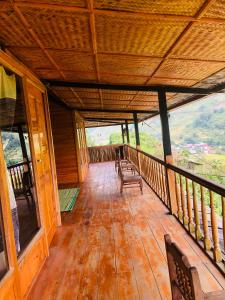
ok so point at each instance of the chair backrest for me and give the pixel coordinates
(117, 151)
(184, 279)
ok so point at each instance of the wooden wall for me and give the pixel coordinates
(23, 270)
(62, 120)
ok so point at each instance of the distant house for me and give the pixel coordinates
(201, 147)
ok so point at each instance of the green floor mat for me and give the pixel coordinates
(67, 198)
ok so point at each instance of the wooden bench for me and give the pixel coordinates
(184, 278)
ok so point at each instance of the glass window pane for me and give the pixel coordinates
(3, 257)
(21, 181)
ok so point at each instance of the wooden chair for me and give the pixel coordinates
(130, 181)
(184, 278)
(127, 167)
(25, 189)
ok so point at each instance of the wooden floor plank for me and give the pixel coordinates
(112, 246)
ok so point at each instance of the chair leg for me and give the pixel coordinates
(141, 187)
(121, 188)
(28, 200)
(31, 195)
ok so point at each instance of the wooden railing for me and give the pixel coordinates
(201, 210)
(102, 153)
(153, 170)
(16, 173)
(200, 203)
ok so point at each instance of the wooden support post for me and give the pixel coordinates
(168, 158)
(136, 131)
(127, 131)
(138, 146)
(123, 139)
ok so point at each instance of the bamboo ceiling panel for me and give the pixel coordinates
(218, 77)
(12, 31)
(175, 7)
(80, 3)
(89, 124)
(79, 77)
(48, 74)
(123, 79)
(133, 42)
(32, 57)
(216, 9)
(60, 29)
(103, 115)
(136, 35)
(127, 64)
(73, 61)
(203, 42)
(179, 98)
(185, 69)
(171, 81)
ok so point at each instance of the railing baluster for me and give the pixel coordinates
(153, 175)
(207, 242)
(223, 217)
(179, 209)
(189, 207)
(185, 218)
(198, 233)
(162, 184)
(216, 245)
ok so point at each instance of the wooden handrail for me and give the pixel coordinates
(147, 154)
(215, 187)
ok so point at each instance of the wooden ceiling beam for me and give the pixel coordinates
(107, 119)
(117, 110)
(106, 125)
(94, 44)
(123, 87)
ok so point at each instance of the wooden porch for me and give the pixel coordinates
(111, 246)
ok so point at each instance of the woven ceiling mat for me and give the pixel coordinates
(122, 79)
(143, 97)
(67, 94)
(73, 61)
(12, 31)
(107, 115)
(116, 97)
(119, 92)
(176, 7)
(217, 9)
(168, 81)
(80, 3)
(48, 74)
(60, 29)
(89, 124)
(127, 64)
(179, 99)
(32, 57)
(86, 95)
(218, 78)
(79, 77)
(188, 69)
(136, 35)
(203, 42)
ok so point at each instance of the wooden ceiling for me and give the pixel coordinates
(133, 42)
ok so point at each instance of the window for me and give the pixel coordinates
(19, 167)
(3, 257)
